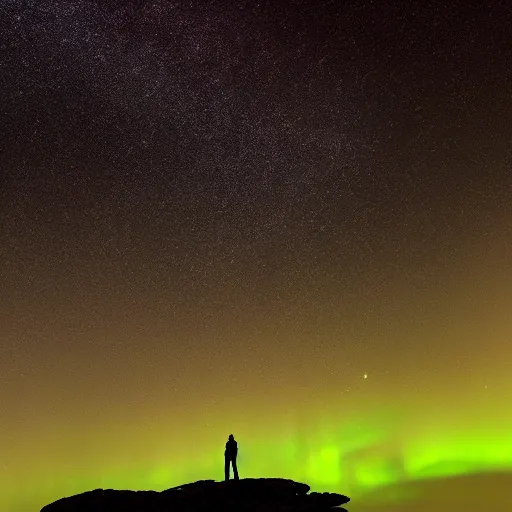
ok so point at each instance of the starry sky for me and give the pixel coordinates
(289, 220)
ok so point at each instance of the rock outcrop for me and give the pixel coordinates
(245, 495)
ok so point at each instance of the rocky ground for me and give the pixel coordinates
(245, 495)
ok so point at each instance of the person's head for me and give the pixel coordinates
(231, 438)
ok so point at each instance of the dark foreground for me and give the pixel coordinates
(246, 495)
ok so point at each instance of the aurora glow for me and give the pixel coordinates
(291, 221)
(378, 458)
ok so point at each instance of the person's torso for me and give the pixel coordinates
(231, 448)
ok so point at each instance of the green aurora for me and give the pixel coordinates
(376, 459)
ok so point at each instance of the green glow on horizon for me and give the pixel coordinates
(367, 459)
(460, 453)
(326, 466)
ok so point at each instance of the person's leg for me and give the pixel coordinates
(226, 469)
(235, 469)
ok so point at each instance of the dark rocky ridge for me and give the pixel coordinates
(245, 495)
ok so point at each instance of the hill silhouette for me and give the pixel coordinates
(245, 495)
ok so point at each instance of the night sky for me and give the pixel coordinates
(290, 221)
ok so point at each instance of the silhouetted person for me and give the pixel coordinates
(230, 457)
